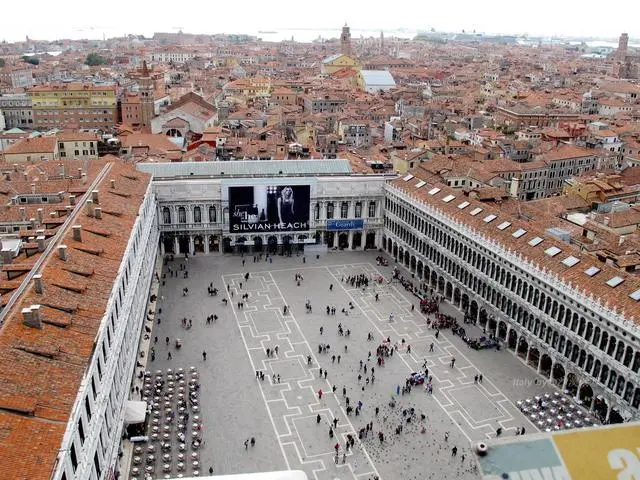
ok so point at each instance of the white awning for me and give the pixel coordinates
(135, 412)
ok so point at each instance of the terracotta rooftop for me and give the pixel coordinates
(41, 369)
(33, 145)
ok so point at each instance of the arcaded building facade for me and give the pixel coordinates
(565, 314)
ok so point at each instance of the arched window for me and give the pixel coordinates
(197, 215)
(330, 210)
(344, 209)
(182, 215)
(212, 214)
(166, 215)
(316, 212)
(358, 210)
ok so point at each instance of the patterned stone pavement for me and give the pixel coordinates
(282, 416)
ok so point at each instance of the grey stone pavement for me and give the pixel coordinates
(282, 416)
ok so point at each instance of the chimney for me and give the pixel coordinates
(40, 241)
(23, 213)
(37, 283)
(15, 167)
(98, 213)
(7, 176)
(95, 197)
(77, 233)
(7, 256)
(33, 186)
(62, 252)
(27, 317)
(72, 199)
(113, 184)
(53, 214)
(62, 172)
(79, 173)
(25, 176)
(35, 316)
(40, 215)
(32, 223)
(84, 178)
(69, 209)
(606, 221)
(31, 316)
(90, 208)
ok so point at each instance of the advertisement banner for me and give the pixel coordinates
(345, 224)
(607, 452)
(269, 208)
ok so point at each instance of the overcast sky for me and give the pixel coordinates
(47, 19)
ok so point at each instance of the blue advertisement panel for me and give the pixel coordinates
(345, 224)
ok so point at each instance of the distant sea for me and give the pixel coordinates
(280, 34)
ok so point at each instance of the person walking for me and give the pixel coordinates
(204, 356)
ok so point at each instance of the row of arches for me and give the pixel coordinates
(191, 214)
(537, 321)
(543, 302)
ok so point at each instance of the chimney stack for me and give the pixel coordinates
(98, 213)
(90, 208)
(84, 178)
(72, 199)
(40, 241)
(37, 283)
(77, 233)
(33, 185)
(69, 210)
(25, 176)
(27, 317)
(7, 256)
(15, 167)
(113, 184)
(23, 213)
(79, 173)
(53, 214)
(40, 215)
(31, 316)
(95, 196)
(62, 252)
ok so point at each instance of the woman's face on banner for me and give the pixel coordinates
(287, 193)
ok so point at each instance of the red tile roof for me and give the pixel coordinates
(41, 369)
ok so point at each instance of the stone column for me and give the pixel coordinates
(206, 243)
(161, 247)
(539, 361)
(350, 239)
(363, 239)
(192, 247)
(176, 245)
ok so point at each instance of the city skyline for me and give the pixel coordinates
(50, 22)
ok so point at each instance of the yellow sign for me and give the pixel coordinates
(601, 454)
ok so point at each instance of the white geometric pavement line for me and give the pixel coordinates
(264, 398)
(462, 355)
(315, 362)
(403, 360)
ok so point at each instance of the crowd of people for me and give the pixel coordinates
(379, 421)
